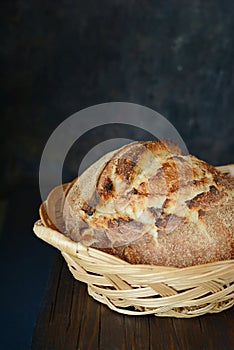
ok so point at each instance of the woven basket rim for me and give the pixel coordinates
(149, 289)
(65, 244)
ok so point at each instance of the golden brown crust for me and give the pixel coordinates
(183, 248)
(150, 203)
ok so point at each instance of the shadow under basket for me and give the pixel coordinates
(139, 289)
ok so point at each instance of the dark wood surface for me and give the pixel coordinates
(70, 319)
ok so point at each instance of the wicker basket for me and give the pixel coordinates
(139, 289)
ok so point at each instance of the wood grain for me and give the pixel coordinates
(70, 319)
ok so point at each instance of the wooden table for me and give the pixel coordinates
(70, 319)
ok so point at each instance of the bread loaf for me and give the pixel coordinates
(148, 203)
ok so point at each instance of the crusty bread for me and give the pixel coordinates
(149, 203)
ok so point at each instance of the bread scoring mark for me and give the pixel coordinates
(169, 222)
(106, 189)
(116, 222)
(170, 173)
(178, 178)
(173, 147)
(87, 209)
(163, 147)
(125, 168)
(108, 185)
(166, 203)
(177, 171)
(143, 189)
(179, 158)
(102, 187)
(156, 147)
(125, 226)
(126, 161)
(134, 191)
(157, 183)
(206, 199)
(155, 211)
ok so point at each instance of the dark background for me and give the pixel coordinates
(59, 57)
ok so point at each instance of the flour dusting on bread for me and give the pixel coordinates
(149, 203)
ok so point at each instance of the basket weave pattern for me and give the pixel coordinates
(145, 289)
